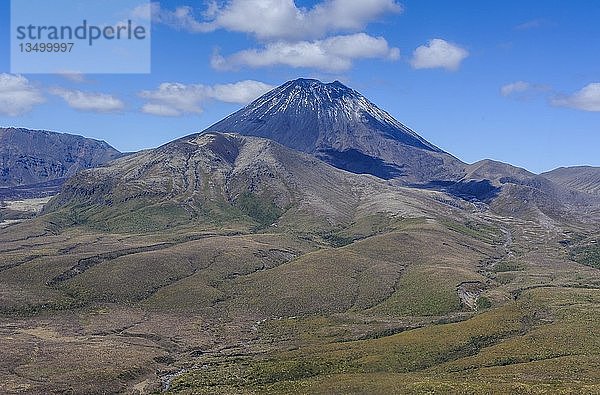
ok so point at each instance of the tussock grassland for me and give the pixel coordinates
(544, 342)
(369, 305)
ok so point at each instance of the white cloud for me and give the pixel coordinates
(85, 101)
(242, 92)
(278, 19)
(290, 35)
(515, 87)
(586, 99)
(176, 99)
(17, 95)
(438, 53)
(332, 54)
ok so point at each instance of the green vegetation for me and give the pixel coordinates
(367, 226)
(423, 291)
(588, 255)
(262, 210)
(476, 230)
(128, 217)
(508, 266)
(335, 239)
(483, 303)
(526, 346)
(146, 216)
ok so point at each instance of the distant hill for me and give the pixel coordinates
(37, 156)
(580, 178)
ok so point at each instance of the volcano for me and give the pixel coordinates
(340, 126)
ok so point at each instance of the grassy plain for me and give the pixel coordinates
(374, 305)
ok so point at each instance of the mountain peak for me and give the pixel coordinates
(337, 124)
(311, 82)
(308, 115)
(329, 91)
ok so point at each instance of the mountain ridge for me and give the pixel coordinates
(581, 178)
(37, 156)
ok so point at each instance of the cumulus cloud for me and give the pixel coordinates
(176, 99)
(276, 19)
(17, 95)
(586, 99)
(242, 92)
(438, 53)
(85, 101)
(332, 54)
(287, 32)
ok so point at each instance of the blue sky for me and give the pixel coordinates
(512, 81)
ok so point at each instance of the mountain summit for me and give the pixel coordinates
(342, 127)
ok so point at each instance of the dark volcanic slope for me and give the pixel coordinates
(36, 156)
(342, 127)
(581, 178)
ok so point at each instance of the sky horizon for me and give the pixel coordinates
(509, 82)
